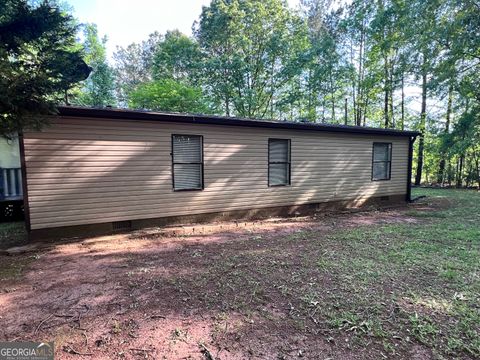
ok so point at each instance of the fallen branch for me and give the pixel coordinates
(84, 333)
(64, 316)
(41, 323)
(158, 317)
(71, 350)
(142, 350)
(206, 352)
(80, 314)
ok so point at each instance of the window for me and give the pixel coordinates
(278, 162)
(187, 162)
(381, 161)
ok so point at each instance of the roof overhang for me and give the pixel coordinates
(126, 114)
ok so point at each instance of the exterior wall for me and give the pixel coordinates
(9, 153)
(88, 171)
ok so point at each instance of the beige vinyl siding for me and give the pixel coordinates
(85, 171)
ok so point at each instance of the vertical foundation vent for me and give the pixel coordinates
(121, 225)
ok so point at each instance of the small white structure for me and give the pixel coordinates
(10, 169)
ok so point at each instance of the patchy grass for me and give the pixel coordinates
(12, 267)
(12, 234)
(384, 286)
(418, 281)
(400, 283)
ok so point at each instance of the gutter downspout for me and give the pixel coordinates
(408, 197)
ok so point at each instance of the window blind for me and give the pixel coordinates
(187, 155)
(381, 161)
(278, 162)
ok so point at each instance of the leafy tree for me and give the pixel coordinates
(39, 62)
(168, 95)
(327, 73)
(463, 143)
(164, 74)
(177, 57)
(252, 49)
(424, 54)
(133, 65)
(353, 62)
(459, 39)
(356, 25)
(98, 89)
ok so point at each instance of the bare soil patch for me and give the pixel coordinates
(224, 291)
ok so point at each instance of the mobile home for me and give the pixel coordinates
(98, 170)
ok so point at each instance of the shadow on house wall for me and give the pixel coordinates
(100, 177)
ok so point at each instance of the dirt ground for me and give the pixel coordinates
(225, 291)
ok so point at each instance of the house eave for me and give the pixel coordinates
(127, 114)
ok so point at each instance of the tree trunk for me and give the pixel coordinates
(323, 109)
(272, 90)
(456, 171)
(346, 111)
(333, 109)
(469, 167)
(460, 171)
(365, 113)
(332, 94)
(227, 106)
(354, 100)
(441, 167)
(386, 107)
(449, 172)
(360, 93)
(402, 125)
(310, 97)
(390, 92)
(477, 163)
(423, 118)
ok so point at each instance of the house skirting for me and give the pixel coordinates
(88, 230)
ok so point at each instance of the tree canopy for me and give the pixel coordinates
(177, 57)
(168, 95)
(252, 50)
(99, 89)
(384, 63)
(39, 62)
(387, 63)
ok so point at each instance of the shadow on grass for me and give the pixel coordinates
(317, 289)
(12, 234)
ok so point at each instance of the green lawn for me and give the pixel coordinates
(399, 282)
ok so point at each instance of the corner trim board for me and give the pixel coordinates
(408, 196)
(26, 207)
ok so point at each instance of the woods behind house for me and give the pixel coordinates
(386, 63)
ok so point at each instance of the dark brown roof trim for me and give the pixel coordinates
(111, 113)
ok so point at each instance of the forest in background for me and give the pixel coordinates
(385, 63)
